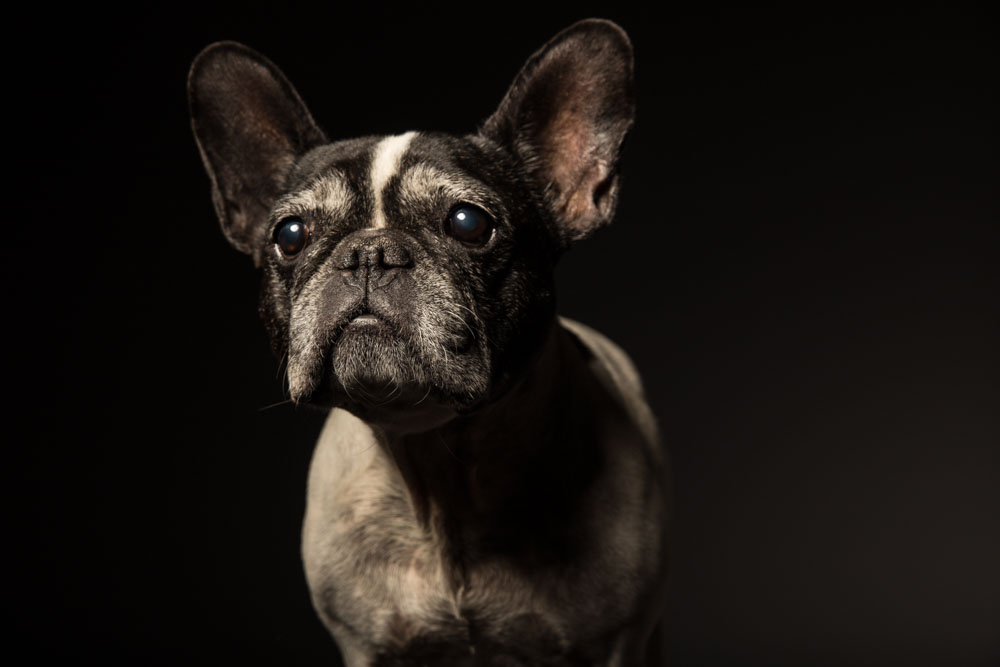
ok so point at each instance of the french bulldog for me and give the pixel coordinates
(489, 487)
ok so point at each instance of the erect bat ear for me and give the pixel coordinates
(565, 117)
(250, 126)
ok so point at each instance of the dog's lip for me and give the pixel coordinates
(365, 319)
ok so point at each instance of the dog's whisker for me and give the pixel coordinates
(274, 405)
(449, 450)
(475, 315)
(424, 398)
(456, 316)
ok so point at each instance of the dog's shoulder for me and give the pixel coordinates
(617, 372)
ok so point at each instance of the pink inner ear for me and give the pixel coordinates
(582, 210)
(576, 168)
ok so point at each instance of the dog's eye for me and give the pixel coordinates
(470, 224)
(290, 236)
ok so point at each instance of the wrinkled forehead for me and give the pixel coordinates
(371, 177)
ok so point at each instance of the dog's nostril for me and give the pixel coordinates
(349, 260)
(395, 256)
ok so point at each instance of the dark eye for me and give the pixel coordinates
(469, 224)
(290, 236)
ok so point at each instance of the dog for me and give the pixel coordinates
(489, 486)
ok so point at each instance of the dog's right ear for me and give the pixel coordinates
(250, 126)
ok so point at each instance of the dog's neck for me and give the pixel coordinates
(504, 474)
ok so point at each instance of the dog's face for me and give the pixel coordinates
(409, 278)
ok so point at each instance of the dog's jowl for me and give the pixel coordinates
(489, 487)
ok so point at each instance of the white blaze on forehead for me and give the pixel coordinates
(385, 164)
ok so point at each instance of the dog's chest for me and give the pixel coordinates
(383, 584)
(396, 595)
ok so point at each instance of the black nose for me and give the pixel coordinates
(375, 255)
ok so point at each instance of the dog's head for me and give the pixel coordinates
(409, 278)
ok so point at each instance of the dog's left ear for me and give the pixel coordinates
(565, 117)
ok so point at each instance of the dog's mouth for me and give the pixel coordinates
(372, 370)
(365, 313)
(365, 324)
(374, 361)
(385, 327)
(362, 320)
(365, 320)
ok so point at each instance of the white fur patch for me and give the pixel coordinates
(328, 195)
(424, 181)
(385, 164)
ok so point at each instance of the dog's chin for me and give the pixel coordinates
(376, 374)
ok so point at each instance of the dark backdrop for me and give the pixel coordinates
(804, 267)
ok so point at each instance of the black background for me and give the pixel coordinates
(804, 267)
